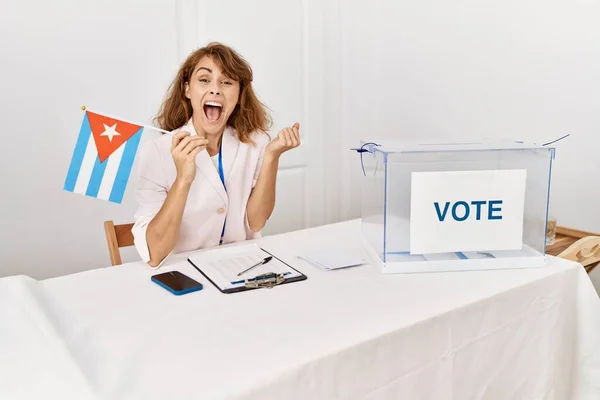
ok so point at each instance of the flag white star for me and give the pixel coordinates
(110, 132)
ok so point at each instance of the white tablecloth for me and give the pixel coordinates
(348, 334)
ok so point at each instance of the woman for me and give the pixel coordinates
(213, 180)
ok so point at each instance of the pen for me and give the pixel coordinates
(266, 260)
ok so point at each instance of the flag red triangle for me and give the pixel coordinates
(106, 140)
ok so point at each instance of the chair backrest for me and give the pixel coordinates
(117, 236)
(585, 251)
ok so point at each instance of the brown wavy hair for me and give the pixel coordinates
(249, 115)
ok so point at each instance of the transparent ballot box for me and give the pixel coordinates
(455, 206)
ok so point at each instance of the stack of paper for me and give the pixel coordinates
(330, 259)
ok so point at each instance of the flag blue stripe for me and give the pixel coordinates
(118, 190)
(96, 178)
(85, 133)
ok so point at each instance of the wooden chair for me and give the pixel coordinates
(579, 246)
(117, 236)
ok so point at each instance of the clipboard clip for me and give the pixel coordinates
(267, 280)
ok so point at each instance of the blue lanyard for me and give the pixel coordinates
(222, 176)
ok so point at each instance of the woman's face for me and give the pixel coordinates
(213, 96)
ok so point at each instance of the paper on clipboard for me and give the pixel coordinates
(223, 265)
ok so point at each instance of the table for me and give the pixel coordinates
(111, 333)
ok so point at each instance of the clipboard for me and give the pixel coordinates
(256, 281)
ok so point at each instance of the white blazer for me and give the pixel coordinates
(208, 204)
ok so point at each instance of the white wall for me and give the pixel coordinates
(113, 56)
(519, 69)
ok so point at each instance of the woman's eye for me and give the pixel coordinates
(204, 80)
(227, 83)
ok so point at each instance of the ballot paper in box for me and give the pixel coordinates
(455, 206)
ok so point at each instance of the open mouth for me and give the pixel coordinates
(213, 111)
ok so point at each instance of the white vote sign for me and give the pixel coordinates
(454, 211)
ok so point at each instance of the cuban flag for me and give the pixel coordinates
(103, 157)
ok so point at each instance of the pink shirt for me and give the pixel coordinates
(208, 203)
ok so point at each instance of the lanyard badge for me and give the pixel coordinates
(222, 176)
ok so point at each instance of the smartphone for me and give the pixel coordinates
(176, 282)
